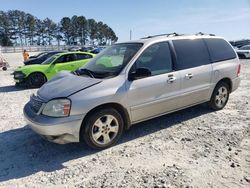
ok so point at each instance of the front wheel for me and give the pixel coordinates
(36, 80)
(220, 96)
(103, 128)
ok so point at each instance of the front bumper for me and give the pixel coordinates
(19, 77)
(59, 130)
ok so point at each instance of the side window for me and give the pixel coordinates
(219, 49)
(60, 59)
(83, 56)
(156, 58)
(66, 58)
(190, 53)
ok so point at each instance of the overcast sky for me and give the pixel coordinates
(227, 18)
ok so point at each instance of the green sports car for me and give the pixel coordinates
(37, 75)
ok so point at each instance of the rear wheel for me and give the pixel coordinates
(36, 80)
(220, 96)
(103, 128)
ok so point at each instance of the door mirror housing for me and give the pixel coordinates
(139, 73)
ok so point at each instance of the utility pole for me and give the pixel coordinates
(130, 34)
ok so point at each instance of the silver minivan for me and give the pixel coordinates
(132, 82)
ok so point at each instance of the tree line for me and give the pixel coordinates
(20, 28)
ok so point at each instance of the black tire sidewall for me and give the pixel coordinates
(86, 131)
(212, 103)
(29, 80)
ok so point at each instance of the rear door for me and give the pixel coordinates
(158, 93)
(64, 62)
(195, 68)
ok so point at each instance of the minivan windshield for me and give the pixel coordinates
(111, 60)
(49, 60)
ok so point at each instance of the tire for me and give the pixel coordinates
(220, 96)
(36, 80)
(242, 56)
(99, 132)
(4, 68)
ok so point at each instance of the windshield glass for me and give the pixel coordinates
(112, 60)
(49, 60)
(41, 54)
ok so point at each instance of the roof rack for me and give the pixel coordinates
(200, 33)
(167, 35)
(176, 34)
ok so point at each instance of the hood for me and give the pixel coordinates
(28, 67)
(64, 85)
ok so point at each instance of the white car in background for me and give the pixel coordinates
(244, 51)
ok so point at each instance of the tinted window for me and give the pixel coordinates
(66, 58)
(191, 53)
(157, 58)
(219, 49)
(83, 56)
(49, 60)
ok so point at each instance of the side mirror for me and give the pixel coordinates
(139, 73)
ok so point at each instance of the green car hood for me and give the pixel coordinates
(31, 68)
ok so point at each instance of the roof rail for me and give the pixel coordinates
(200, 33)
(167, 35)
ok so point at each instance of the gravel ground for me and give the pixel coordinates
(195, 147)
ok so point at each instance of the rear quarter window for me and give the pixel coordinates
(219, 49)
(83, 56)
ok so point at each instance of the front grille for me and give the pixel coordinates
(35, 103)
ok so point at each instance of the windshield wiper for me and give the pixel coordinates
(80, 72)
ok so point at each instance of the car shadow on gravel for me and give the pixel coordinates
(23, 152)
(12, 88)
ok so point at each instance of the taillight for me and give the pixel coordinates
(238, 71)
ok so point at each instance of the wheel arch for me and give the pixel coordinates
(227, 81)
(39, 73)
(123, 111)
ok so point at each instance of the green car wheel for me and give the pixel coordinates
(36, 80)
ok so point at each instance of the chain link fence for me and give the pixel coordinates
(17, 49)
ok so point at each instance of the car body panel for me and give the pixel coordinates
(153, 95)
(50, 91)
(195, 84)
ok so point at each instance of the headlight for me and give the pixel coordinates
(57, 108)
(19, 75)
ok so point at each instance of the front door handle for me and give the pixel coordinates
(189, 76)
(171, 80)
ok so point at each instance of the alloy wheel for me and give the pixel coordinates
(105, 129)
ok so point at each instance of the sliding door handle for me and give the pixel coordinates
(189, 76)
